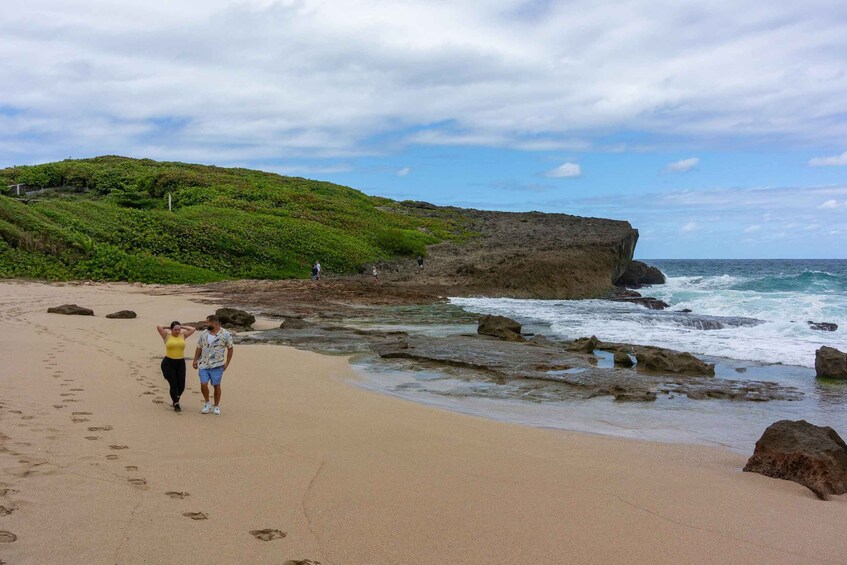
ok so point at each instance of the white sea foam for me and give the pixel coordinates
(783, 336)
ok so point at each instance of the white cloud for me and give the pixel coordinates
(829, 205)
(753, 228)
(228, 79)
(682, 166)
(690, 227)
(833, 161)
(404, 171)
(566, 170)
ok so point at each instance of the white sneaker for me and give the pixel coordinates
(206, 408)
(216, 411)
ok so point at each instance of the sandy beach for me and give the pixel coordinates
(95, 467)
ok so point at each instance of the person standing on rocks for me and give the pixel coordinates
(318, 269)
(420, 263)
(209, 359)
(376, 275)
(173, 363)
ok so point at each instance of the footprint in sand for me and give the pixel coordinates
(268, 534)
(137, 482)
(79, 420)
(81, 413)
(118, 447)
(70, 400)
(131, 468)
(7, 537)
(27, 417)
(5, 491)
(148, 393)
(158, 401)
(111, 457)
(57, 406)
(175, 494)
(196, 515)
(77, 389)
(301, 562)
(5, 511)
(67, 394)
(92, 438)
(100, 428)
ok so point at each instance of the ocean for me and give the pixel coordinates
(748, 317)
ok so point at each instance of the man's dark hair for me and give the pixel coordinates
(214, 319)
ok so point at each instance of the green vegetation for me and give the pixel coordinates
(108, 219)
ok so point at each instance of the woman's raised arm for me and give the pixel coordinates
(163, 332)
(188, 331)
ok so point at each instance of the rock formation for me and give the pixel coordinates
(70, 310)
(830, 363)
(500, 327)
(639, 274)
(122, 315)
(623, 360)
(232, 318)
(667, 361)
(823, 326)
(814, 456)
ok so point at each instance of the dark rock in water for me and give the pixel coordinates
(741, 369)
(500, 327)
(290, 323)
(584, 344)
(814, 456)
(823, 326)
(686, 310)
(623, 360)
(71, 310)
(646, 301)
(830, 363)
(122, 315)
(639, 274)
(233, 318)
(667, 361)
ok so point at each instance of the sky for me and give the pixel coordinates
(718, 129)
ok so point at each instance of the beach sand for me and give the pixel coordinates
(90, 449)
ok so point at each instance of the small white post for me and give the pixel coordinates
(170, 207)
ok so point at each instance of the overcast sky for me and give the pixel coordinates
(719, 129)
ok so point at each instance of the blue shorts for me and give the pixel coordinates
(215, 375)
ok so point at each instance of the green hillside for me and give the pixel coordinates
(107, 219)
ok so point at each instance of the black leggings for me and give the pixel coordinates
(174, 372)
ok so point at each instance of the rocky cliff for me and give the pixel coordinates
(526, 255)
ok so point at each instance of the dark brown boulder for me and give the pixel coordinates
(830, 363)
(584, 344)
(233, 318)
(122, 315)
(623, 360)
(814, 456)
(71, 310)
(646, 301)
(822, 326)
(500, 327)
(639, 274)
(668, 361)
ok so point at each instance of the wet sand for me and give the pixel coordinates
(95, 467)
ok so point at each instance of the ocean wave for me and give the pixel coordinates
(806, 282)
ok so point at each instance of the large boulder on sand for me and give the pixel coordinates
(814, 456)
(668, 361)
(70, 310)
(638, 274)
(584, 344)
(233, 318)
(830, 363)
(500, 327)
(122, 315)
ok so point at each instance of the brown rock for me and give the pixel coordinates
(668, 361)
(70, 310)
(623, 360)
(122, 315)
(822, 326)
(830, 363)
(500, 327)
(233, 318)
(814, 456)
(638, 274)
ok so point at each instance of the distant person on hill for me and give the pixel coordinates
(315, 272)
(420, 263)
(376, 275)
(209, 358)
(318, 267)
(173, 363)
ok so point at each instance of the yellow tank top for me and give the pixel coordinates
(175, 347)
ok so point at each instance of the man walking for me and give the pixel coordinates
(209, 357)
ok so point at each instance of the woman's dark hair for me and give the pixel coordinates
(175, 323)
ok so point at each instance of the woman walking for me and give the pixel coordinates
(173, 364)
